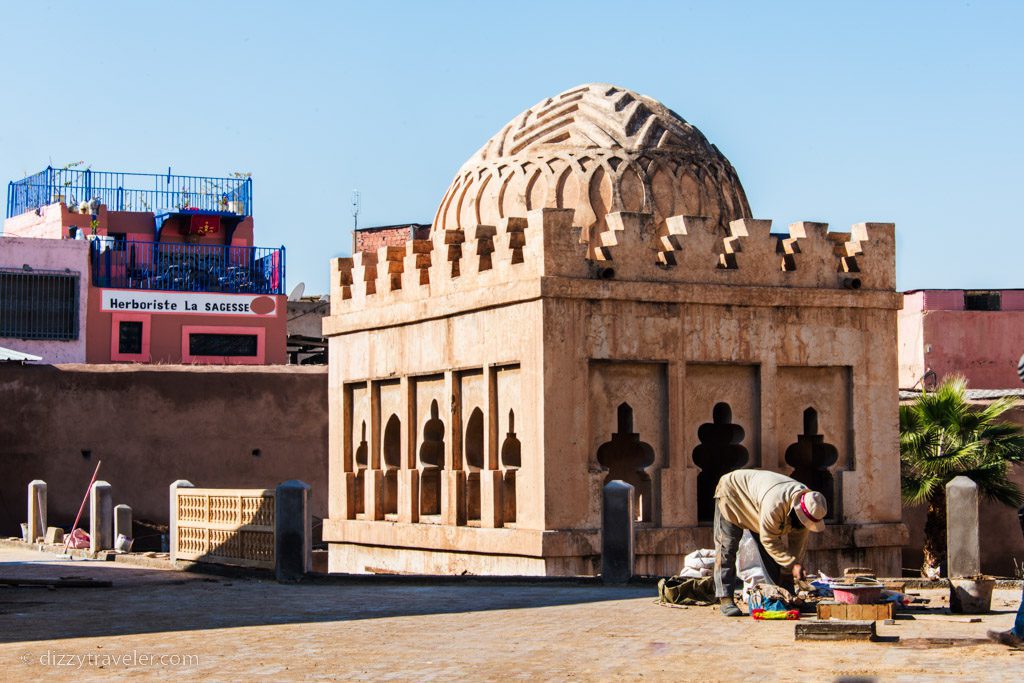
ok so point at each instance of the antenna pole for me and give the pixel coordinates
(355, 209)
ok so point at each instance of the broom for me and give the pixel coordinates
(88, 490)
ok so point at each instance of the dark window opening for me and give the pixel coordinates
(627, 458)
(222, 344)
(129, 337)
(38, 304)
(719, 452)
(811, 457)
(982, 301)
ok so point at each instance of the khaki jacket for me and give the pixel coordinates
(760, 501)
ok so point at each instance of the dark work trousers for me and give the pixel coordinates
(727, 542)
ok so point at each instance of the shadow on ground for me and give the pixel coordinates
(151, 600)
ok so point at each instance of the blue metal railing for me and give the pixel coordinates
(178, 267)
(156, 193)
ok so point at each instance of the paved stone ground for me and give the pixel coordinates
(235, 629)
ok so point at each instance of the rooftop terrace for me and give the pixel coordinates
(151, 192)
(178, 267)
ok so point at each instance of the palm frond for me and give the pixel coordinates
(942, 435)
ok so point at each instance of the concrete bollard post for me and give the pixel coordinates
(172, 515)
(122, 521)
(101, 517)
(963, 549)
(293, 531)
(36, 510)
(617, 552)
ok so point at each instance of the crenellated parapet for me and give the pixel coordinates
(632, 247)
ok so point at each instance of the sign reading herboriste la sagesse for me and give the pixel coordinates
(202, 303)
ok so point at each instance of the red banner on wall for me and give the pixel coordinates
(202, 225)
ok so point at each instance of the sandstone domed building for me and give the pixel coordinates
(595, 302)
(596, 149)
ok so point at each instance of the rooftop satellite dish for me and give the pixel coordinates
(297, 292)
(325, 297)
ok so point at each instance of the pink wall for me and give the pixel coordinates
(46, 223)
(165, 334)
(984, 346)
(53, 222)
(164, 338)
(49, 254)
(910, 340)
(937, 334)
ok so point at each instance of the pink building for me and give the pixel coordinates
(975, 333)
(170, 270)
(43, 293)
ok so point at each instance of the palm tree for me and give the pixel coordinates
(943, 436)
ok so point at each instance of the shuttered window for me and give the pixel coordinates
(222, 344)
(36, 304)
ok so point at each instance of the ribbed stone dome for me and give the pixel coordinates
(597, 149)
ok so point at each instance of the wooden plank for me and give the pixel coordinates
(835, 630)
(845, 612)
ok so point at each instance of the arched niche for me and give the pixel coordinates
(391, 462)
(473, 449)
(431, 457)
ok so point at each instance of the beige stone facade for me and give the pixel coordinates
(627, 320)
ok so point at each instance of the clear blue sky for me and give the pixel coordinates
(841, 112)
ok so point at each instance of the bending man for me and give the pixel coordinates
(778, 511)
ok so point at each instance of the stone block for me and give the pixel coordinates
(54, 535)
(492, 506)
(36, 510)
(409, 496)
(293, 531)
(617, 537)
(101, 517)
(374, 494)
(122, 521)
(962, 535)
(836, 630)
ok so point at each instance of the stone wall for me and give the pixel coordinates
(150, 425)
(614, 354)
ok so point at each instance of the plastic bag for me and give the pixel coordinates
(78, 539)
(749, 565)
(699, 563)
(768, 601)
(823, 585)
(897, 597)
(771, 615)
